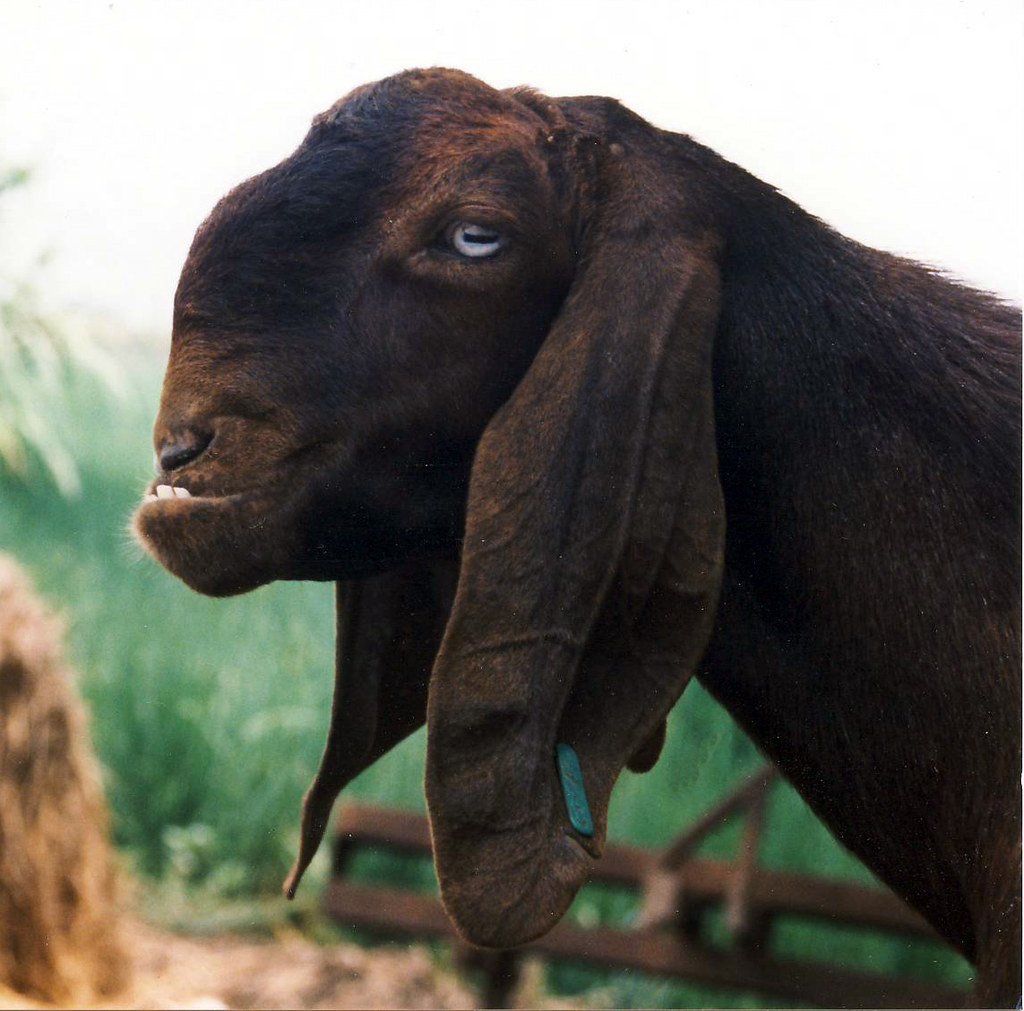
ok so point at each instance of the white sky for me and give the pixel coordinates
(899, 122)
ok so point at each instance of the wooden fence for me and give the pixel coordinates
(677, 893)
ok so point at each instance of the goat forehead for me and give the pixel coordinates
(355, 156)
(263, 247)
(438, 115)
(416, 95)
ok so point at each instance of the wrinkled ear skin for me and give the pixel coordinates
(591, 564)
(389, 630)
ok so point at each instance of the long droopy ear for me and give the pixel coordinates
(591, 565)
(389, 629)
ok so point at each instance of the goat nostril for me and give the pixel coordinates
(175, 453)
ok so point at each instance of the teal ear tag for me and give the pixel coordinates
(571, 776)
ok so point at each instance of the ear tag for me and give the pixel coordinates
(571, 776)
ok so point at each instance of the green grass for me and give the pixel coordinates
(209, 717)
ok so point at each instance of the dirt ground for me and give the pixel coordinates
(288, 972)
(236, 972)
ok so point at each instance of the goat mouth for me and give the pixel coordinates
(199, 484)
(166, 491)
(218, 544)
(163, 492)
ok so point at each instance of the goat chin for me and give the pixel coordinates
(526, 356)
(208, 543)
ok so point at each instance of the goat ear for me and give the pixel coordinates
(646, 756)
(389, 628)
(590, 568)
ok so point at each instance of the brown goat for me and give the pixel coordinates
(543, 349)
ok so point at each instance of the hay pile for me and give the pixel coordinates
(58, 906)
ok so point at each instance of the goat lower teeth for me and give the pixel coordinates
(164, 491)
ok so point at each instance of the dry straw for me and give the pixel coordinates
(58, 892)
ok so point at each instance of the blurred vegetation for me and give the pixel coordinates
(209, 716)
(38, 356)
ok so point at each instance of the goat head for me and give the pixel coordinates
(436, 336)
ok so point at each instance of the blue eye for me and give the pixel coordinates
(474, 241)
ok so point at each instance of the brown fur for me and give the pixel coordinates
(664, 344)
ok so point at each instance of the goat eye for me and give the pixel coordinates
(474, 241)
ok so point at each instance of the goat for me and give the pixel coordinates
(502, 366)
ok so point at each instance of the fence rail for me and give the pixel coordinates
(677, 892)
